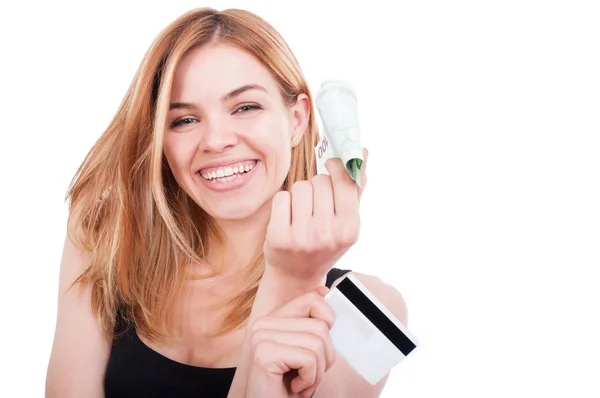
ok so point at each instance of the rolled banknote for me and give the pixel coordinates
(336, 102)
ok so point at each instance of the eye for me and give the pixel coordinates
(248, 108)
(185, 120)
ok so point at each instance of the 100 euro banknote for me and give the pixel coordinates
(337, 105)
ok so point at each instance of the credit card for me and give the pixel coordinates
(365, 333)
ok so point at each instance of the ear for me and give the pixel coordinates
(300, 114)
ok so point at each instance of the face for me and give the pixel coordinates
(229, 134)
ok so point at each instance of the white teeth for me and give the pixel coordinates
(228, 173)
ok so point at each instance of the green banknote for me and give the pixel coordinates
(336, 102)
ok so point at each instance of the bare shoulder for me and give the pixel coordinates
(80, 348)
(389, 296)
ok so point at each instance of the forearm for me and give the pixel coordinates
(273, 292)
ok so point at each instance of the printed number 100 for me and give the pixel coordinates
(323, 147)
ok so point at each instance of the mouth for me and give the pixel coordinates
(227, 173)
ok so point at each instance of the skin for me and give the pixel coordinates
(307, 231)
(257, 125)
(220, 131)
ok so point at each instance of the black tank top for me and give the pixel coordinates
(135, 370)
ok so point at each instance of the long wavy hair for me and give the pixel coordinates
(143, 231)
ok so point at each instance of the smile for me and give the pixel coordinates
(227, 173)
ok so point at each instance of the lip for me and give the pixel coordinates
(224, 162)
(236, 183)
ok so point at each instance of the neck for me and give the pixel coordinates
(244, 238)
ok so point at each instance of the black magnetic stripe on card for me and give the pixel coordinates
(376, 316)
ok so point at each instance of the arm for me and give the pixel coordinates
(80, 350)
(341, 380)
(310, 228)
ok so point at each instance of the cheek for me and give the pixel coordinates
(179, 153)
(273, 143)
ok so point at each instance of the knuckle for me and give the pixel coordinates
(325, 239)
(260, 324)
(281, 199)
(349, 239)
(313, 299)
(348, 235)
(321, 180)
(300, 244)
(301, 186)
(312, 359)
(330, 362)
(329, 244)
(257, 325)
(277, 241)
(281, 195)
(262, 353)
(317, 343)
(323, 329)
(257, 339)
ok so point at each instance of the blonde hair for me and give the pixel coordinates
(143, 231)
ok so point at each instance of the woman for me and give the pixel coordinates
(197, 213)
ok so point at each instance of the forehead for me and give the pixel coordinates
(209, 72)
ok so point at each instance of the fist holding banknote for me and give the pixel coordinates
(317, 221)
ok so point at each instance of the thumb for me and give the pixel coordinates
(322, 290)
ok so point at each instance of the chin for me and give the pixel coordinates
(235, 211)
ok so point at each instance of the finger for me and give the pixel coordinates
(322, 290)
(307, 305)
(300, 383)
(302, 209)
(345, 193)
(278, 230)
(278, 359)
(315, 327)
(310, 393)
(307, 341)
(363, 173)
(280, 211)
(323, 205)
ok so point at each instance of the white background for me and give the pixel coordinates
(482, 120)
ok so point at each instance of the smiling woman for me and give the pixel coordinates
(200, 236)
(250, 129)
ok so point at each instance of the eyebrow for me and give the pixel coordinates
(227, 97)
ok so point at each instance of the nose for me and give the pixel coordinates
(217, 137)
